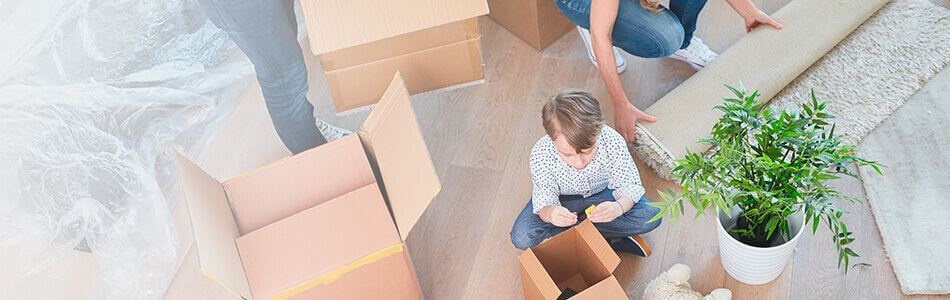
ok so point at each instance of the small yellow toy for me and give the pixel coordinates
(590, 209)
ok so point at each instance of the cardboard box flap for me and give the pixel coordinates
(596, 243)
(214, 227)
(335, 24)
(607, 289)
(299, 182)
(394, 141)
(317, 245)
(537, 283)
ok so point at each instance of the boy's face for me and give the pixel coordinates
(578, 159)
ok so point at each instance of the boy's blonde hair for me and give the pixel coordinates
(576, 115)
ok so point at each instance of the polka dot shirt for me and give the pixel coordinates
(611, 167)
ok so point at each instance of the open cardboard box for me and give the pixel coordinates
(434, 43)
(316, 225)
(578, 259)
(537, 22)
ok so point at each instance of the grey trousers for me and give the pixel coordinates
(266, 31)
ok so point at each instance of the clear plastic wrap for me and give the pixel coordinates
(93, 96)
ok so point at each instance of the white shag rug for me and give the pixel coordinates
(870, 74)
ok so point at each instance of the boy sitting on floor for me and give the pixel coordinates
(579, 163)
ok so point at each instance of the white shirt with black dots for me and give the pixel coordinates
(611, 167)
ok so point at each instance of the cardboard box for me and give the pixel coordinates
(316, 225)
(538, 22)
(434, 44)
(430, 59)
(579, 260)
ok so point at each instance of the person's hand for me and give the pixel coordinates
(626, 118)
(606, 212)
(758, 17)
(559, 216)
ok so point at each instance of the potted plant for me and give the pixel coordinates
(766, 177)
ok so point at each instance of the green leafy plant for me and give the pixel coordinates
(768, 165)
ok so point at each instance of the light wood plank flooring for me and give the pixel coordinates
(480, 137)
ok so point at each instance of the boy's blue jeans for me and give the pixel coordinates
(640, 32)
(529, 230)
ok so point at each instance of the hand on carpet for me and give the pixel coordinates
(752, 15)
(626, 118)
(757, 18)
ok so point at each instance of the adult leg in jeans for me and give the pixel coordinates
(641, 32)
(266, 30)
(688, 13)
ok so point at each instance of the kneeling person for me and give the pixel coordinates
(579, 163)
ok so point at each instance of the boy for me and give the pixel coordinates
(579, 163)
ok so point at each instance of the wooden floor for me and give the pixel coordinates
(479, 138)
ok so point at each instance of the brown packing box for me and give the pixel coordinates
(430, 59)
(537, 22)
(578, 259)
(434, 44)
(316, 225)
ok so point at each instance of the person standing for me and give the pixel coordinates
(646, 29)
(266, 31)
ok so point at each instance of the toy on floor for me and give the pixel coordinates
(673, 285)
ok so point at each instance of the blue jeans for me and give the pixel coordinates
(640, 32)
(529, 230)
(266, 31)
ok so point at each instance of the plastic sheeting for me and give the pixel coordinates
(93, 96)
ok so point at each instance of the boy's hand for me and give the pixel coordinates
(558, 215)
(606, 212)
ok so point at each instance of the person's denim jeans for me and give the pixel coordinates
(529, 230)
(266, 31)
(640, 32)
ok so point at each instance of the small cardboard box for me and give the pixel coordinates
(434, 44)
(579, 260)
(538, 22)
(316, 225)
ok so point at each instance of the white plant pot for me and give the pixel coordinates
(751, 264)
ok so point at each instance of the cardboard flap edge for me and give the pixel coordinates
(213, 227)
(592, 237)
(408, 199)
(538, 275)
(607, 289)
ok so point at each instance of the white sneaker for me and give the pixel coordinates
(585, 35)
(697, 54)
(330, 132)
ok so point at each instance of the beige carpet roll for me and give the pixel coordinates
(766, 60)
